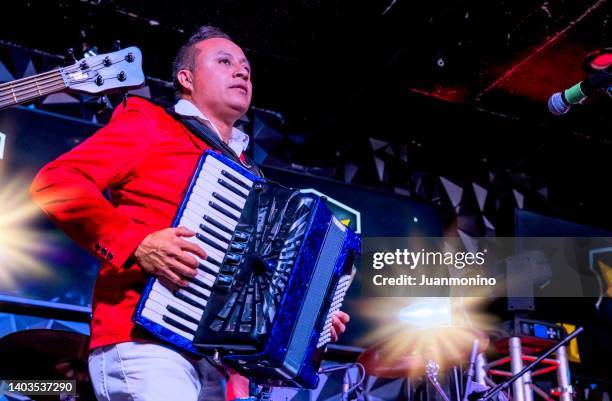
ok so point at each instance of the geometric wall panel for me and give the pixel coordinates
(22, 63)
(520, 198)
(29, 70)
(349, 172)
(481, 195)
(453, 191)
(5, 74)
(377, 144)
(380, 168)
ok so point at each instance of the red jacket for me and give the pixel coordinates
(145, 159)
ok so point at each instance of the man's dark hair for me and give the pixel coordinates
(186, 57)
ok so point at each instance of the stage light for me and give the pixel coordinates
(19, 242)
(407, 332)
(435, 312)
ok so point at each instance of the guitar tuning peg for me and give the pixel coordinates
(117, 45)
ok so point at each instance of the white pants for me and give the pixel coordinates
(135, 371)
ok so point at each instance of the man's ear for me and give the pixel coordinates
(185, 78)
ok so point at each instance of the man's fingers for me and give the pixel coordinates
(188, 260)
(174, 278)
(193, 248)
(343, 316)
(184, 232)
(337, 326)
(334, 335)
(183, 269)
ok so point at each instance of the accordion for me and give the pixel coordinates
(278, 266)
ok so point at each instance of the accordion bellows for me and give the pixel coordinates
(278, 266)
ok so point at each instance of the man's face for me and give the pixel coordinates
(221, 79)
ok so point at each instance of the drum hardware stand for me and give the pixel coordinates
(471, 371)
(477, 369)
(432, 369)
(457, 384)
(347, 389)
(563, 375)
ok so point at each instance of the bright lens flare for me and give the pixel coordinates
(19, 243)
(410, 331)
(434, 312)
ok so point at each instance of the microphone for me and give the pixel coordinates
(561, 102)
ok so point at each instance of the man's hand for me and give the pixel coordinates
(168, 256)
(339, 321)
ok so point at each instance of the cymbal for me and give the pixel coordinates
(47, 354)
(401, 366)
(46, 344)
(382, 360)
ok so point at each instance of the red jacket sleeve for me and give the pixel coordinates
(69, 189)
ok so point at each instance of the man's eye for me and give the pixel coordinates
(225, 61)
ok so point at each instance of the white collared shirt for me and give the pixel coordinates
(239, 141)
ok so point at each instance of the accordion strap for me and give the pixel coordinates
(210, 138)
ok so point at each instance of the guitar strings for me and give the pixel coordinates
(25, 80)
(25, 92)
(32, 96)
(39, 82)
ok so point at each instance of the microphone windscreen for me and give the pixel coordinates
(556, 105)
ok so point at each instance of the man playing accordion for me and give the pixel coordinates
(144, 158)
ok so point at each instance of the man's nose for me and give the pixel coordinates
(242, 72)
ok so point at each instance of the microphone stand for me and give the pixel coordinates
(502, 386)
